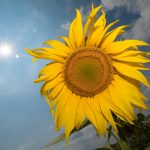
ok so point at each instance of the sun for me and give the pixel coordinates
(5, 50)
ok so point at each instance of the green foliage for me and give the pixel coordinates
(132, 137)
(137, 135)
(109, 132)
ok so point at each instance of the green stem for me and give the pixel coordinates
(123, 145)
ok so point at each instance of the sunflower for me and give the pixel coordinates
(92, 75)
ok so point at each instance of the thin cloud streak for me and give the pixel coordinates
(141, 26)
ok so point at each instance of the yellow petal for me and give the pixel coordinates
(34, 60)
(104, 105)
(119, 102)
(135, 97)
(61, 47)
(136, 65)
(51, 84)
(56, 90)
(89, 113)
(131, 72)
(97, 31)
(101, 21)
(120, 46)
(63, 94)
(48, 72)
(63, 98)
(131, 85)
(100, 39)
(114, 108)
(80, 116)
(108, 33)
(50, 51)
(112, 36)
(71, 34)
(71, 116)
(134, 48)
(94, 106)
(92, 6)
(66, 39)
(45, 55)
(68, 119)
(139, 59)
(78, 31)
(90, 20)
(123, 97)
(47, 98)
(129, 53)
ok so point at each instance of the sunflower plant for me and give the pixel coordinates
(92, 77)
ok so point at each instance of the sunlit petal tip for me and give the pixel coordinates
(103, 12)
(92, 6)
(148, 85)
(126, 26)
(145, 107)
(57, 129)
(45, 43)
(142, 43)
(78, 12)
(99, 7)
(34, 59)
(52, 112)
(96, 9)
(31, 52)
(37, 80)
(117, 20)
(27, 50)
(60, 37)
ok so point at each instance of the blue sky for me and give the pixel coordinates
(25, 122)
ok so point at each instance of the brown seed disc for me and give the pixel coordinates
(88, 72)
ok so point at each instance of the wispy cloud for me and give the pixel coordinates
(141, 26)
(84, 11)
(65, 26)
(25, 146)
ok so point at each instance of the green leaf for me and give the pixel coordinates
(140, 117)
(123, 145)
(107, 145)
(109, 132)
(147, 122)
(147, 148)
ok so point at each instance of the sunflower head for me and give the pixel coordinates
(88, 71)
(92, 74)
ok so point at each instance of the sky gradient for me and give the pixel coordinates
(25, 122)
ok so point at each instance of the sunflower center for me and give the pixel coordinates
(88, 72)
